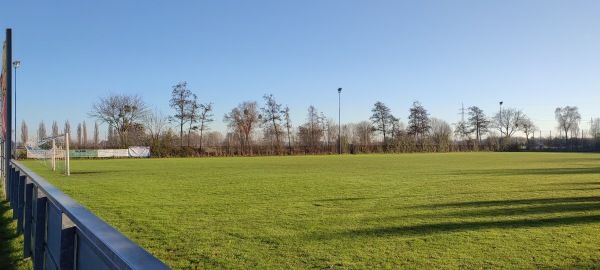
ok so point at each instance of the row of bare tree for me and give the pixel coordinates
(255, 129)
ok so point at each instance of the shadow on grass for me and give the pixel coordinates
(580, 183)
(514, 213)
(469, 226)
(539, 171)
(345, 199)
(579, 186)
(335, 201)
(554, 171)
(7, 235)
(83, 173)
(531, 210)
(552, 201)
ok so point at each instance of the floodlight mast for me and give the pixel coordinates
(501, 102)
(340, 120)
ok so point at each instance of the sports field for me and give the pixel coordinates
(410, 211)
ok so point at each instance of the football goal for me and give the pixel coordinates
(52, 152)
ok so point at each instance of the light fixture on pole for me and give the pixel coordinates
(16, 64)
(501, 113)
(500, 121)
(340, 120)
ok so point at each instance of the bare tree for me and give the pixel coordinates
(595, 128)
(288, 125)
(397, 128)
(242, 120)
(24, 133)
(79, 135)
(272, 119)
(346, 136)
(54, 128)
(231, 138)
(381, 119)
(42, 130)
(311, 132)
(213, 140)
(528, 128)
(441, 134)
(137, 134)
(122, 112)
(110, 137)
(84, 134)
(364, 132)
(509, 121)
(568, 119)
(68, 130)
(181, 100)
(156, 123)
(205, 118)
(418, 120)
(461, 130)
(330, 126)
(313, 128)
(192, 114)
(96, 135)
(477, 122)
(325, 130)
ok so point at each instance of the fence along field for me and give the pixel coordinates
(458, 210)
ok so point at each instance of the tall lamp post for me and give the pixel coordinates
(340, 120)
(16, 64)
(500, 121)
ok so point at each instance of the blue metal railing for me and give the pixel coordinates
(59, 233)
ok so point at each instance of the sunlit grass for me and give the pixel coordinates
(421, 211)
(11, 245)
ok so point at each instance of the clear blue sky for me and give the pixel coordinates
(533, 55)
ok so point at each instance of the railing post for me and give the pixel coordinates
(67, 244)
(14, 189)
(5, 186)
(8, 188)
(27, 232)
(60, 239)
(39, 217)
(20, 201)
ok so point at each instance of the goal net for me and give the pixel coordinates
(52, 152)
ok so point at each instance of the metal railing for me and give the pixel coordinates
(59, 233)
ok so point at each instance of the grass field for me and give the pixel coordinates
(11, 245)
(410, 211)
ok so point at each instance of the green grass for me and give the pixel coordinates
(411, 211)
(11, 245)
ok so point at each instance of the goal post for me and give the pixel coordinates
(52, 152)
(67, 156)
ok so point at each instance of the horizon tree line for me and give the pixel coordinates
(267, 129)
